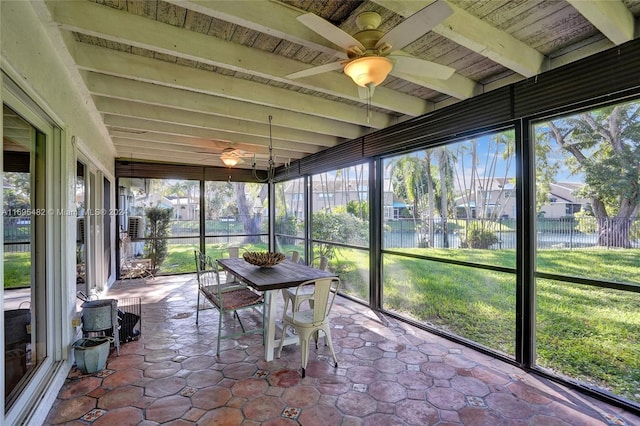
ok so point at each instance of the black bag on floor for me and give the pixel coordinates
(127, 322)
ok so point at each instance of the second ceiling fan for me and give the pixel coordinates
(371, 54)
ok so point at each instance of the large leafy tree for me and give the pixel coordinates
(216, 198)
(17, 194)
(250, 220)
(604, 145)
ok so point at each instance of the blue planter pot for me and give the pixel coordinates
(91, 353)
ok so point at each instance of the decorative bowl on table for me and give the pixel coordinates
(263, 259)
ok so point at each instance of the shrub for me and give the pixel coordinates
(339, 228)
(158, 228)
(586, 222)
(359, 209)
(288, 225)
(480, 238)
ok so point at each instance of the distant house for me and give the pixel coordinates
(184, 208)
(493, 198)
(562, 200)
(489, 198)
(326, 194)
(396, 211)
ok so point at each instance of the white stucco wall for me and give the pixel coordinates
(34, 56)
(32, 45)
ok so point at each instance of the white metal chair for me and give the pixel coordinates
(230, 252)
(295, 256)
(225, 297)
(309, 322)
(320, 262)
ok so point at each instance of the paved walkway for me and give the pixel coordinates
(389, 374)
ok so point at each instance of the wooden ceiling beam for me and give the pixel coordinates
(478, 36)
(153, 94)
(611, 18)
(121, 27)
(288, 28)
(578, 51)
(136, 67)
(129, 148)
(202, 144)
(125, 153)
(206, 121)
(139, 125)
(457, 86)
(267, 17)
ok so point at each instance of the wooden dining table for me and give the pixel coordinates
(269, 281)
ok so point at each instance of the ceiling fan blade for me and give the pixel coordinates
(416, 25)
(329, 31)
(216, 153)
(407, 64)
(316, 70)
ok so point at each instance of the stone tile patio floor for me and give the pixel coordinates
(389, 373)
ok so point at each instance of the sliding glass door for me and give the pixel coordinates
(25, 293)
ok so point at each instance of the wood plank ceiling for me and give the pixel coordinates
(180, 80)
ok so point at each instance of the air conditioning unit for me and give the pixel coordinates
(80, 230)
(135, 228)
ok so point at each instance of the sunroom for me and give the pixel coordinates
(484, 189)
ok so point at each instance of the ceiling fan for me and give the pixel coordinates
(231, 156)
(371, 55)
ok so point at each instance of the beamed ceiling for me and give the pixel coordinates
(179, 81)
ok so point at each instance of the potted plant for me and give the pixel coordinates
(91, 353)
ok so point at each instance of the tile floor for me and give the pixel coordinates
(389, 374)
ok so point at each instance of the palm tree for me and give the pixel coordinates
(409, 180)
(431, 200)
(445, 168)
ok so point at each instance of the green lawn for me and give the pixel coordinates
(17, 270)
(591, 334)
(583, 332)
(180, 258)
(472, 303)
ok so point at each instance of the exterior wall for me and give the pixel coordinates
(339, 198)
(35, 61)
(500, 203)
(39, 56)
(562, 199)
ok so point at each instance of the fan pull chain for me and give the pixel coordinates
(369, 95)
